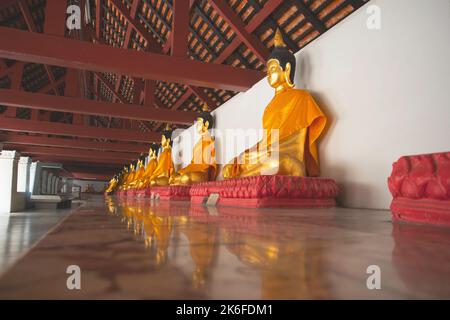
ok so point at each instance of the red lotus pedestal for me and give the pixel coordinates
(143, 193)
(269, 191)
(420, 186)
(130, 193)
(178, 193)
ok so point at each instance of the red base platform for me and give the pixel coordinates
(420, 186)
(178, 193)
(269, 191)
(143, 193)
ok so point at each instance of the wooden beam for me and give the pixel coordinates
(310, 17)
(102, 163)
(31, 126)
(39, 48)
(180, 28)
(72, 143)
(16, 84)
(256, 21)
(69, 152)
(98, 17)
(40, 101)
(32, 27)
(238, 26)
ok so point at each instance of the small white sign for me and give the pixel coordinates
(212, 199)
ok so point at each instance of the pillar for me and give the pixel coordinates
(44, 176)
(49, 183)
(10, 200)
(23, 175)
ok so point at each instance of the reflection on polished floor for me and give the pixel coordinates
(171, 250)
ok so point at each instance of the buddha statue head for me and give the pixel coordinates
(166, 139)
(153, 151)
(280, 65)
(141, 160)
(133, 165)
(205, 121)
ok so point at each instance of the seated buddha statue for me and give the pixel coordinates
(122, 177)
(112, 184)
(140, 170)
(203, 165)
(165, 167)
(292, 123)
(144, 182)
(130, 178)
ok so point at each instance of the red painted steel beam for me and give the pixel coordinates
(73, 143)
(15, 98)
(39, 48)
(31, 126)
(180, 28)
(238, 26)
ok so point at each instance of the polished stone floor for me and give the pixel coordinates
(171, 250)
(20, 230)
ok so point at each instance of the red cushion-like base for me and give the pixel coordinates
(178, 193)
(427, 211)
(143, 193)
(420, 186)
(269, 191)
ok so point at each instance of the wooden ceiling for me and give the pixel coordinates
(236, 33)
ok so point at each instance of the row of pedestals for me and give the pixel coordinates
(275, 191)
(27, 184)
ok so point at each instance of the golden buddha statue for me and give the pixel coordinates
(165, 168)
(112, 184)
(292, 123)
(144, 182)
(130, 177)
(203, 166)
(122, 178)
(139, 172)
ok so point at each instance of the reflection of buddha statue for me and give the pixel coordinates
(202, 246)
(139, 172)
(289, 269)
(292, 123)
(203, 165)
(158, 230)
(144, 182)
(164, 169)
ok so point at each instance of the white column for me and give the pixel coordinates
(49, 182)
(9, 199)
(54, 183)
(44, 176)
(35, 175)
(23, 175)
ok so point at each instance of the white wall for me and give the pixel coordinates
(386, 92)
